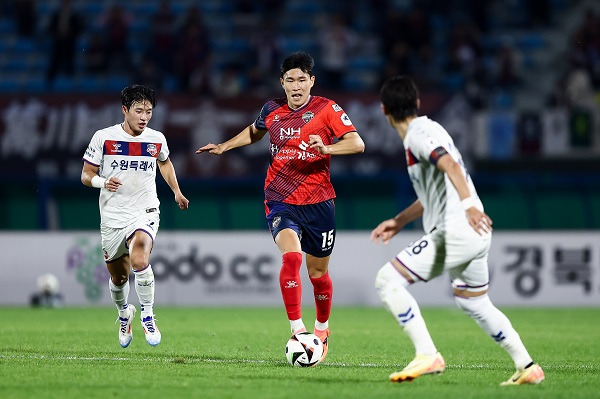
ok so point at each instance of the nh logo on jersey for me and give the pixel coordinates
(307, 116)
(289, 133)
(151, 149)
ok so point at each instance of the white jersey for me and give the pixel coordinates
(424, 143)
(133, 160)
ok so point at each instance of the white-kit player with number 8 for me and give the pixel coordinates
(121, 161)
(457, 240)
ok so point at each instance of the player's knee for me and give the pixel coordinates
(139, 260)
(119, 279)
(475, 307)
(291, 263)
(384, 279)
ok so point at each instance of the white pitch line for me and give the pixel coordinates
(175, 359)
(184, 360)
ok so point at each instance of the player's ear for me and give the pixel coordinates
(281, 81)
(383, 109)
(124, 109)
(418, 103)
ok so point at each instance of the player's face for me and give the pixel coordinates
(297, 84)
(138, 116)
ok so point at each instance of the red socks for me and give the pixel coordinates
(291, 286)
(291, 289)
(323, 289)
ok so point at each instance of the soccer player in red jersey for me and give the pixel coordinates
(304, 131)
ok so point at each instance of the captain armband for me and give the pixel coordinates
(436, 154)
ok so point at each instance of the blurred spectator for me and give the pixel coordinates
(506, 75)
(590, 43)
(193, 57)
(479, 14)
(418, 29)
(6, 9)
(538, 12)
(264, 56)
(95, 55)
(428, 68)
(579, 90)
(465, 50)
(115, 22)
(394, 30)
(406, 41)
(398, 60)
(65, 27)
(26, 16)
(582, 79)
(149, 75)
(228, 80)
(337, 41)
(161, 47)
(269, 8)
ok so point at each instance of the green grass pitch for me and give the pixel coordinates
(239, 353)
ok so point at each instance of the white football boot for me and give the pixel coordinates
(125, 330)
(151, 330)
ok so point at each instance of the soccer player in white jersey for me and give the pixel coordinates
(457, 239)
(121, 161)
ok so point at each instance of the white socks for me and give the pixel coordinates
(391, 287)
(321, 326)
(119, 295)
(144, 286)
(297, 325)
(497, 326)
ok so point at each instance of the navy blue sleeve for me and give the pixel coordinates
(260, 122)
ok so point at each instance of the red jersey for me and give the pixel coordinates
(298, 174)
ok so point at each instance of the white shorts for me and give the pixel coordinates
(114, 240)
(464, 256)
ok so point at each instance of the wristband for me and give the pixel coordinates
(98, 181)
(467, 203)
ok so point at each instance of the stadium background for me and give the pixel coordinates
(515, 82)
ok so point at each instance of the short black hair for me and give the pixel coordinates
(399, 95)
(301, 60)
(137, 93)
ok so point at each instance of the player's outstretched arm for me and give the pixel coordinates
(480, 222)
(249, 135)
(168, 173)
(388, 228)
(90, 178)
(350, 143)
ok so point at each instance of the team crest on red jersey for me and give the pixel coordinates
(307, 116)
(151, 148)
